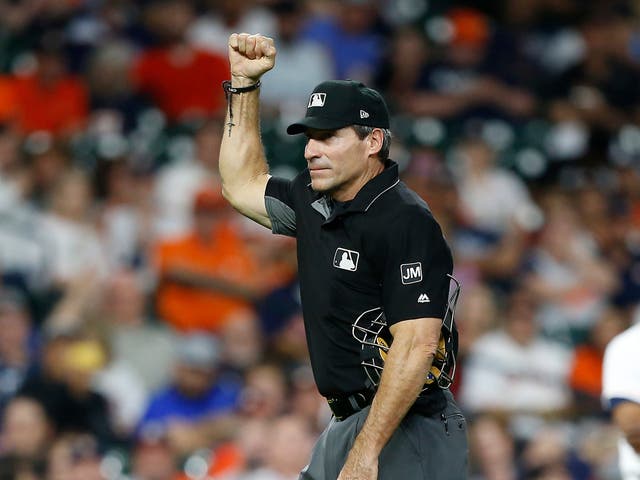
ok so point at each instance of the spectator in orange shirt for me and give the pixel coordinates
(183, 81)
(50, 99)
(208, 274)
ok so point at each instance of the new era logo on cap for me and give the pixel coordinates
(317, 100)
(363, 114)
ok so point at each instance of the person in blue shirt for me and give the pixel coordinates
(196, 397)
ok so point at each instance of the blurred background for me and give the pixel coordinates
(148, 332)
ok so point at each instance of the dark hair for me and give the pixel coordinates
(362, 131)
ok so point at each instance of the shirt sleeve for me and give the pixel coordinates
(621, 371)
(415, 281)
(279, 202)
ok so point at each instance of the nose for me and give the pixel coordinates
(311, 149)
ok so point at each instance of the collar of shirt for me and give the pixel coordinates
(367, 195)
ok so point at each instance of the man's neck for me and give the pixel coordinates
(352, 190)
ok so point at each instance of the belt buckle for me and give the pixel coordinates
(334, 405)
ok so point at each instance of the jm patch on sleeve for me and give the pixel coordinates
(411, 272)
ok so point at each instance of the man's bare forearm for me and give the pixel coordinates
(405, 369)
(242, 157)
(404, 374)
(243, 166)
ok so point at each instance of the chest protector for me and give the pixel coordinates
(372, 331)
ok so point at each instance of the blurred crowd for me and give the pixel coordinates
(149, 332)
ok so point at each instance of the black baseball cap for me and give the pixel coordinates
(336, 104)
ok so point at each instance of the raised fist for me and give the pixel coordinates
(250, 56)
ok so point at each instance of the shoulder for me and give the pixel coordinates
(402, 207)
(625, 342)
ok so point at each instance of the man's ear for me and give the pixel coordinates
(376, 138)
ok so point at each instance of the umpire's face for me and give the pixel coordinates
(339, 162)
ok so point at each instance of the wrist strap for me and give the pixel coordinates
(228, 89)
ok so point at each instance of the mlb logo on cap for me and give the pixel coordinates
(317, 100)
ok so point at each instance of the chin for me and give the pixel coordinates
(320, 187)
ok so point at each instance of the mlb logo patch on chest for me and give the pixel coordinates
(411, 273)
(346, 259)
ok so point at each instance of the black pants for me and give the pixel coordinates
(422, 447)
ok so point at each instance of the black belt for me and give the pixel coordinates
(345, 406)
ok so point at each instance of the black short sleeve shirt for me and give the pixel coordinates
(382, 250)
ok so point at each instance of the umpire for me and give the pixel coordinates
(370, 251)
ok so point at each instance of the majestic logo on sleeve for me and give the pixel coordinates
(346, 259)
(317, 100)
(411, 273)
(424, 298)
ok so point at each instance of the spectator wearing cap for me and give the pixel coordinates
(187, 410)
(208, 274)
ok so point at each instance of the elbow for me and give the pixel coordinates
(228, 195)
(234, 198)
